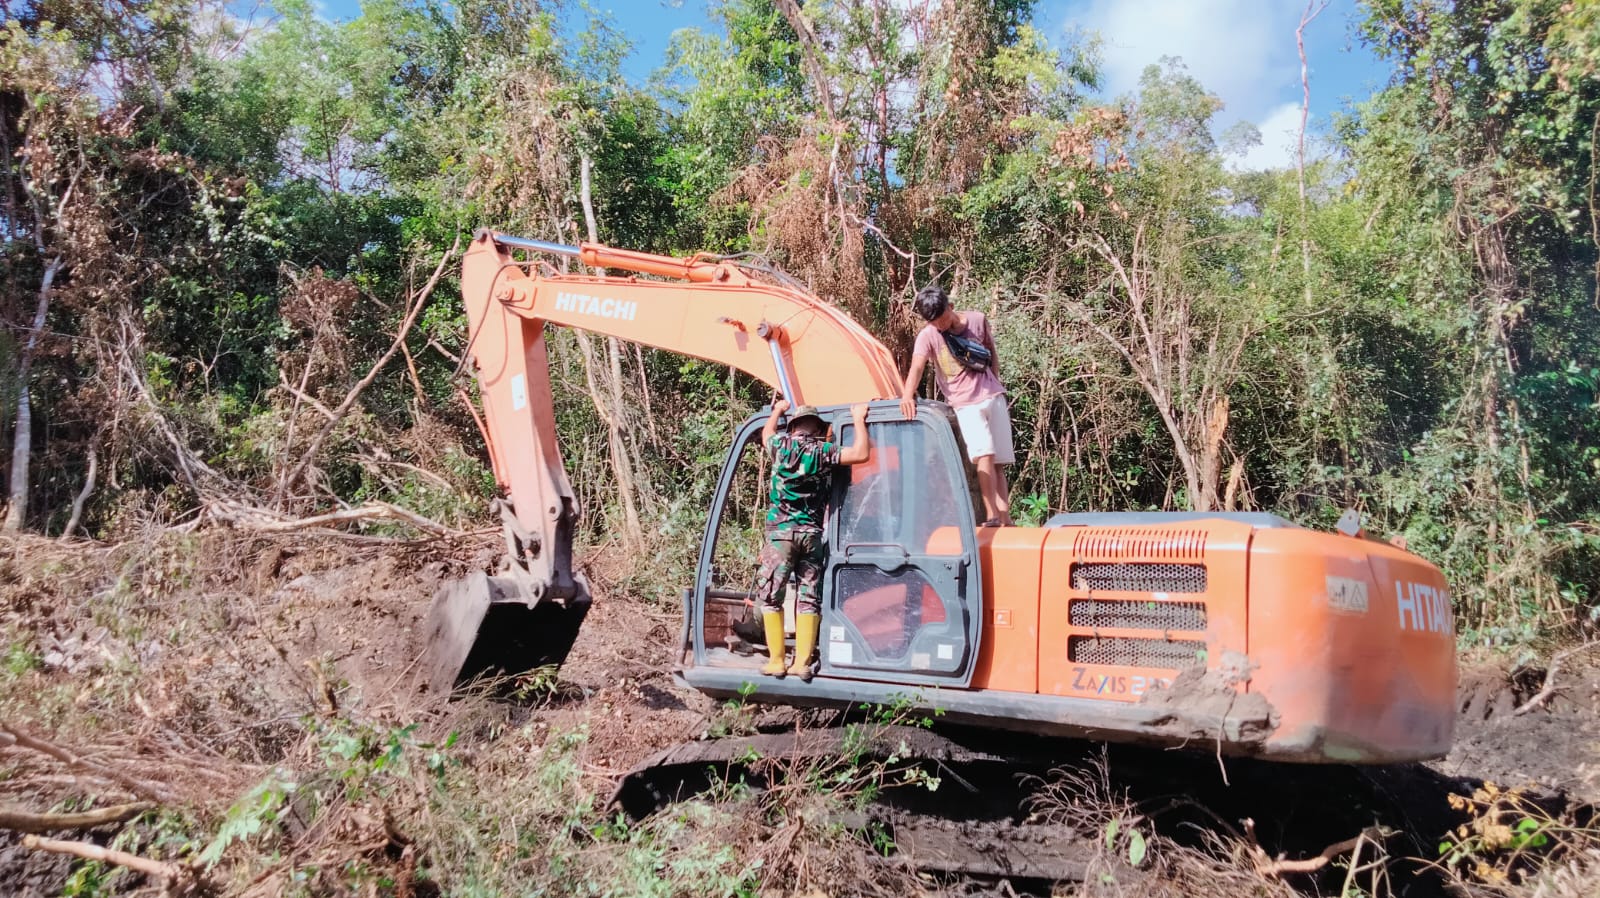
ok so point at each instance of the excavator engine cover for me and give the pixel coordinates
(488, 626)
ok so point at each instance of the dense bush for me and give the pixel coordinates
(212, 237)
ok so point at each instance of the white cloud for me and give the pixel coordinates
(1280, 134)
(1241, 50)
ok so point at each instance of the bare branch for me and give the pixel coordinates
(189, 464)
(417, 303)
(609, 404)
(1549, 689)
(301, 395)
(83, 495)
(883, 238)
(808, 49)
(1313, 864)
(1313, 9)
(261, 520)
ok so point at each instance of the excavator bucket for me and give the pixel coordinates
(483, 626)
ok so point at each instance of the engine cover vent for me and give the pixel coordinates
(1151, 543)
(1137, 615)
(1138, 576)
(1174, 654)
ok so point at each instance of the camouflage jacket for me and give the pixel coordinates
(802, 477)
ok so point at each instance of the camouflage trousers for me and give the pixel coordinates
(800, 552)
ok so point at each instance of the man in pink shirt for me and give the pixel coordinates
(967, 369)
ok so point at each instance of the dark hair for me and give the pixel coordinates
(931, 302)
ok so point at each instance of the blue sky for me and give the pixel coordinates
(1242, 50)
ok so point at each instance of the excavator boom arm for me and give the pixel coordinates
(713, 309)
(805, 348)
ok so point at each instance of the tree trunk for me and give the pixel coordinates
(83, 495)
(809, 55)
(22, 440)
(1312, 10)
(610, 407)
(11, 187)
(1230, 497)
(1211, 458)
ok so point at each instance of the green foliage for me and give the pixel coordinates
(356, 764)
(163, 832)
(20, 659)
(565, 841)
(258, 810)
(735, 717)
(1131, 842)
(1504, 831)
(536, 686)
(1410, 328)
(1030, 510)
(863, 769)
(1480, 155)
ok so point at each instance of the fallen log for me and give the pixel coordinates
(175, 875)
(29, 822)
(260, 520)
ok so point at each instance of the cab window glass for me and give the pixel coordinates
(870, 512)
(905, 495)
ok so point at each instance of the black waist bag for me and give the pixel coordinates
(972, 355)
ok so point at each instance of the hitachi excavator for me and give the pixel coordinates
(1238, 632)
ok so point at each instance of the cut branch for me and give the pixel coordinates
(30, 822)
(172, 873)
(1548, 691)
(10, 735)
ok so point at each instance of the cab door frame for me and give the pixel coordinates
(696, 598)
(960, 575)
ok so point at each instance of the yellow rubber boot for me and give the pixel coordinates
(774, 624)
(805, 642)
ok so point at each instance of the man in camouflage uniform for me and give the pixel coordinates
(802, 477)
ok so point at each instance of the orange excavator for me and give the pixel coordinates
(1239, 632)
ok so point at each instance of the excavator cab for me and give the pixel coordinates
(901, 601)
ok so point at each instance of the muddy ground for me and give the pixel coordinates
(186, 671)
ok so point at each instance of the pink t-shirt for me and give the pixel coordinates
(959, 385)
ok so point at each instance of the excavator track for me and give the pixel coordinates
(975, 823)
(1032, 810)
(677, 772)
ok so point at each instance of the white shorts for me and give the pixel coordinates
(986, 427)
